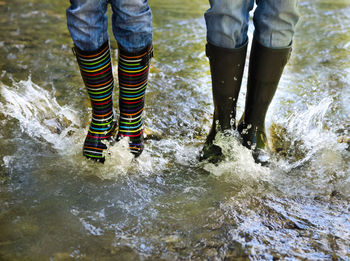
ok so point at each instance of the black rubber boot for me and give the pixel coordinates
(226, 66)
(265, 69)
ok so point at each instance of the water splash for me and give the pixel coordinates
(166, 206)
(312, 154)
(238, 165)
(40, 116)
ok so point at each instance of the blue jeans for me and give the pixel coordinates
(131, 22)
(274, 22)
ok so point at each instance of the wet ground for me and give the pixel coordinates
(56, 205)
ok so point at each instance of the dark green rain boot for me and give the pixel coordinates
(265, 69)
(226, 67)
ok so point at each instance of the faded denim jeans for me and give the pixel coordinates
(274, 22)
(131, 22)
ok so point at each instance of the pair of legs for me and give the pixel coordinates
(132, 27)
(227, 26)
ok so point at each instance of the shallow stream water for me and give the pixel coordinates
(56, 205)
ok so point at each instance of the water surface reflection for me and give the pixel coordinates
(56, 205)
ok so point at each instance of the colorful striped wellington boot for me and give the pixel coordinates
(96, 71)
(133, 71)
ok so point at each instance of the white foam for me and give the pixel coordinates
(40, 116)
(238, 165)
(327, 169)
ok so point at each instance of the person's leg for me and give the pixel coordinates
(132, 27)
(132, 24)
(227, 22)
(227, 26)
(87, 23)
(274, 22)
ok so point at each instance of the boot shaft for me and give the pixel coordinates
(133, 70)
(265, 69)
(97, 74)
(226, 67)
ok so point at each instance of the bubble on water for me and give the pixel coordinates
(11, 56)
(345, 95)
(194, 190)
(93, 230)
(8, 161)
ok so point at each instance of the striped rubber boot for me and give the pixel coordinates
(133, 71)
(96, 71)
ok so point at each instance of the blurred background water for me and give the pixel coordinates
(56, 205)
